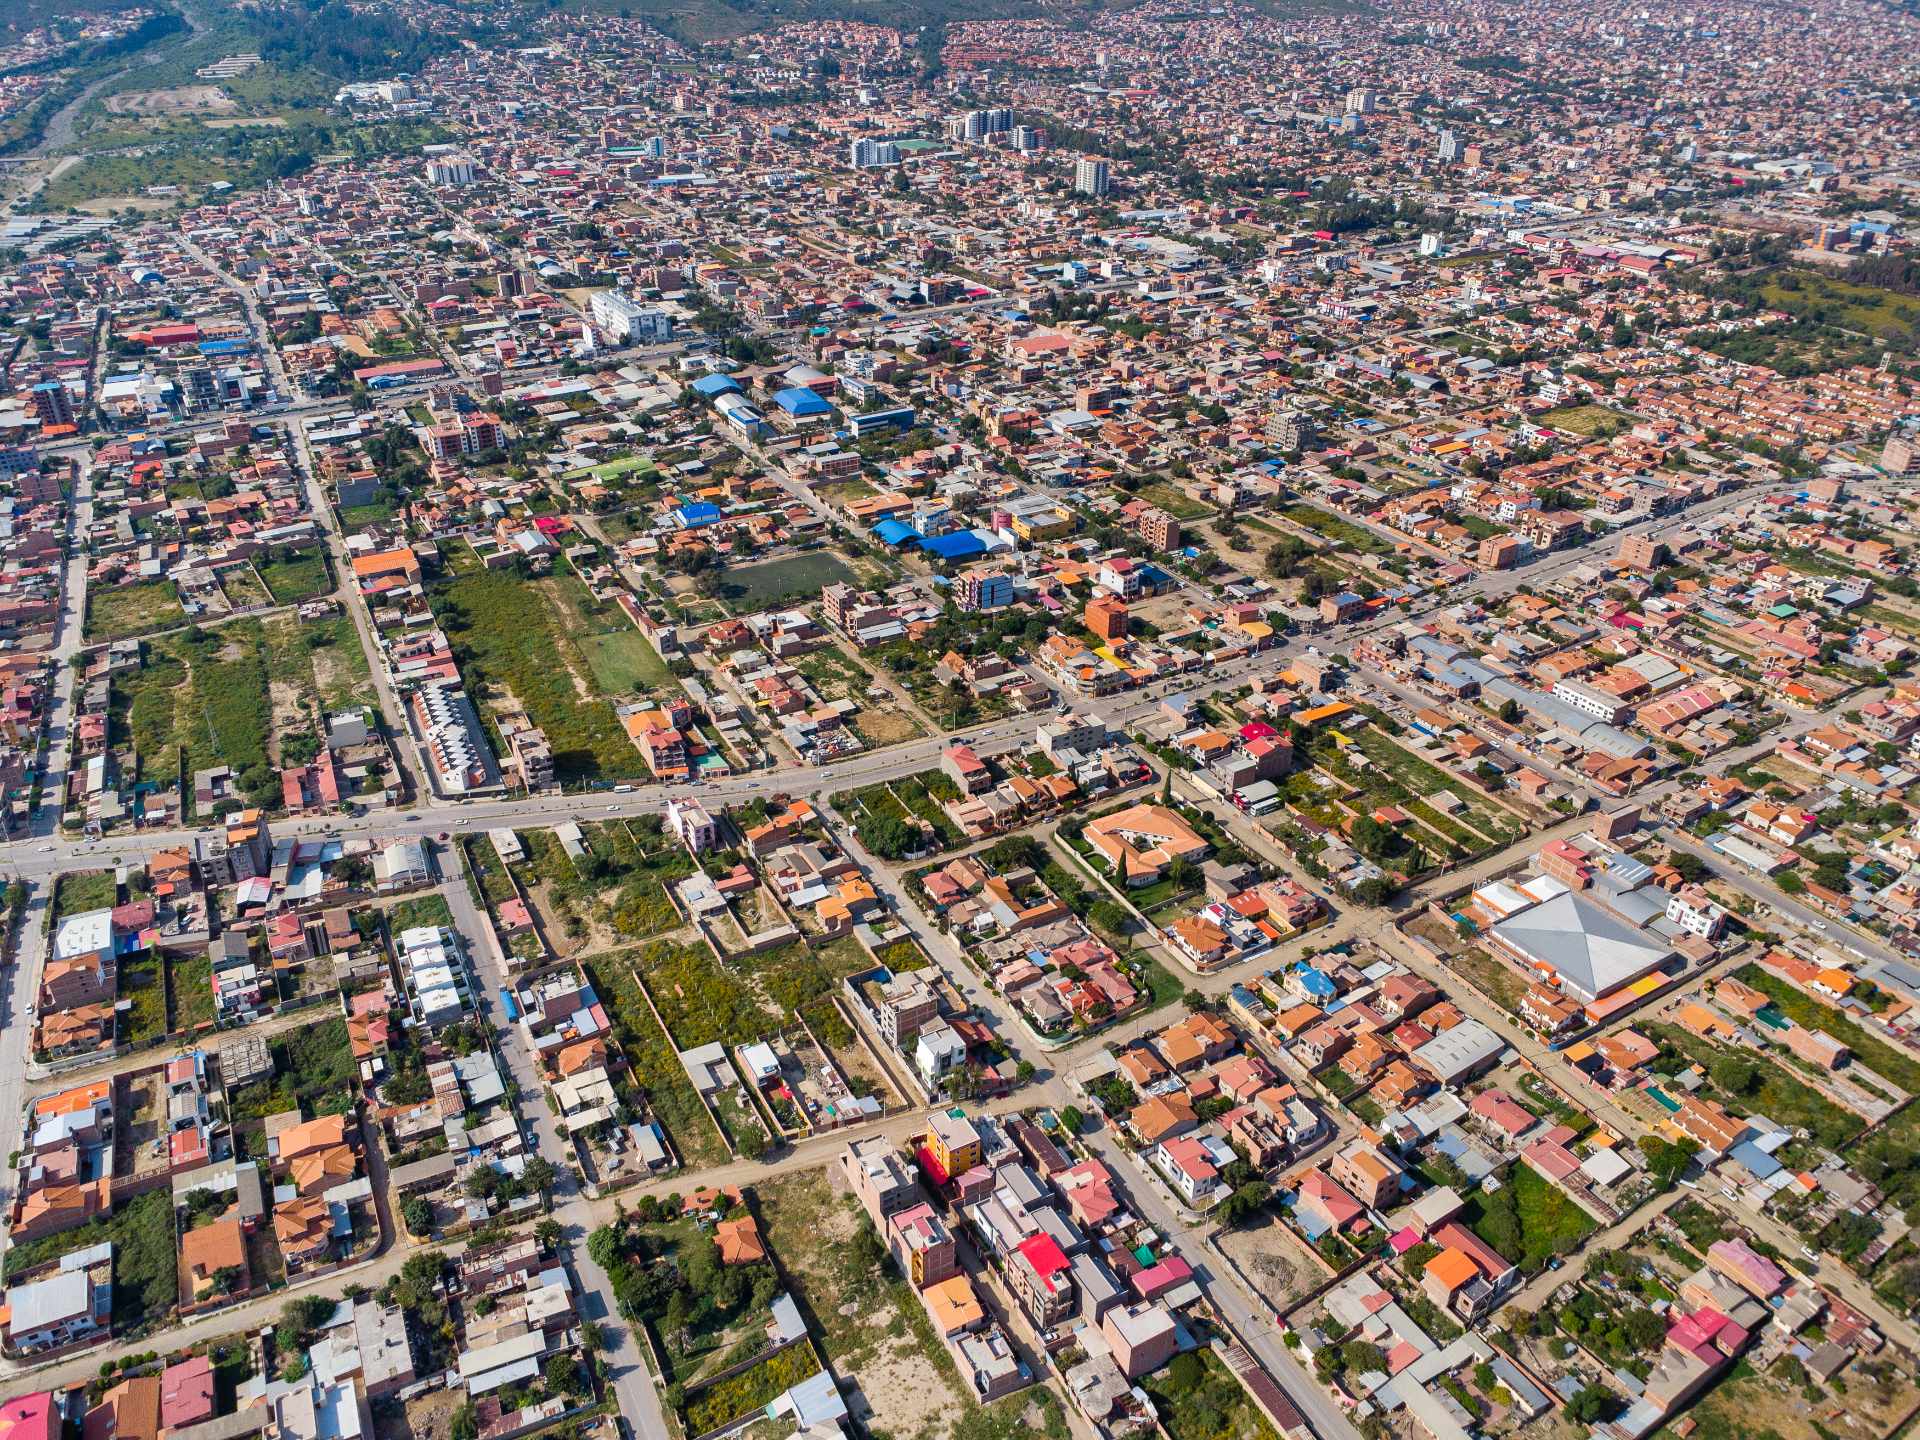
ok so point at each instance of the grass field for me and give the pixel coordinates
(116, 612)
(201, 696)
(1173, 500)
(291, 579)
(524, 637)
(1340, 532)
(624, 662)
(1549, 1223)
(1864, 308)
(82, 890)
(795, 577)
(1582, 419)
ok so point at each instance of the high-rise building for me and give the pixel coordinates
(1025, 137)
(981, 591)
(1449, 147)
(626, 322)
(1900, 455)
(53, 403)
(1361, 102)
(1291, 430)
(1090, 177)
(450, 170)
(865, 154)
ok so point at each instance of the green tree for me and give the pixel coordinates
(417, 1216)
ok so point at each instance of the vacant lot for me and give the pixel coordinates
(869, 1322)
(795, 578)
(1529, 1220)
(1583, 419)
(291, 577)
(180, 100)
(200, 698)
(115, 612)
(520, 637)
(656, 1069)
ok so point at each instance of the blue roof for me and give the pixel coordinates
(895, 532)
(797, 400)
(957, 546)
(714, 386)
(699, 512)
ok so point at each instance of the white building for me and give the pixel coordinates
(450, 170)
(1090, 177)
(696, 828)
(1690, 909)
(864, 154)
(1590, 700)
(625, 321)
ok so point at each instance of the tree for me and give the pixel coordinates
(1734, 1074)
(548, 1234)
(539, 1173)
(465, 1424)
(1688, 866)
(417, 1216)
(1072, 1121)
(1593, 1404)
(1373, 892)
(1361, 1357)
(753, 1141)
(1667, 1160)
(1245, 1202)
(563, 1375)
(1109, 918)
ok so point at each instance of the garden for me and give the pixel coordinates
(145, 1284)
(883, 816)
(1748, 1084)
(1528, 1219)
(1198, 1398)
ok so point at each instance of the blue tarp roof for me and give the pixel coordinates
(957, 546)
(798, 401)
(895, 532)
(713, 386)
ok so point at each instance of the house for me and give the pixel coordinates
(1367, 1174)
(879, 1179)
(1042, 1280)
(1140, 843)
(1189, 1164)
(1141, 1337)
(63, 1309)
(213, 1254)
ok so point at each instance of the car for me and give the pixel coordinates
(443, 835)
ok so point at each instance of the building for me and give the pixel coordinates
(63, 1309)
(1142, 841)
(879, 1179)
(978, 592)
(1041, 1277)
(1585, 950)
(697, 830)
(450, 170)
(1107, 618)
(1639, 552)
(922, 1246)
(1158, 528)
(865, 154)
(1366, 1174)
(1900, 455)
(1142, 1337)
(953, 1142)
(1090, 177)
(627, 322)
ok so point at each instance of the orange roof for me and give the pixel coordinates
(72, 1102)
(385, 561)
(1452, 1268)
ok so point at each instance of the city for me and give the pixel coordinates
(736, 722)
